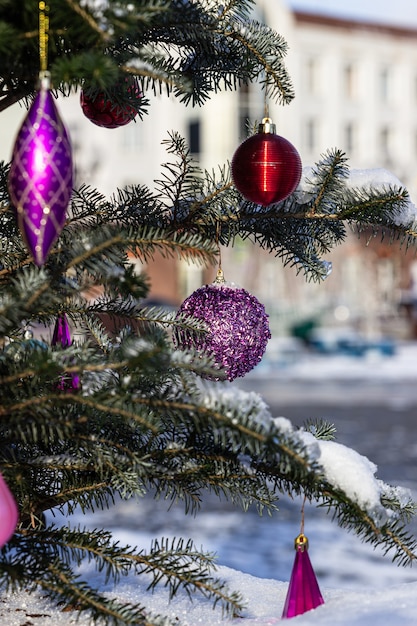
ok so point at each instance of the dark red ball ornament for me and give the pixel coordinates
(266, 168)
(104, 111)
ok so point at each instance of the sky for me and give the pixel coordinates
(396, 12)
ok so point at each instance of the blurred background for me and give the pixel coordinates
(345, 349)
(354, 70)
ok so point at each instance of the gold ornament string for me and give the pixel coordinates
(43, 35)
(266, 106)
(220, 276)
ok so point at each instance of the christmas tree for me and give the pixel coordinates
(137, 405)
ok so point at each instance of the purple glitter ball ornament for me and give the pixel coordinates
(40, 179)
(238, 328)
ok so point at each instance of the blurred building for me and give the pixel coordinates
(356, 89)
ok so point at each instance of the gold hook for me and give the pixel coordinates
(301, 543)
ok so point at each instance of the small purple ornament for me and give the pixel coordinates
(62, 336)
(40, 179)
(238, 327)
(303, 591)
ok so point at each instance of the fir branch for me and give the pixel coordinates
(141, 422)
(88, 17)
(374, 208)
(391, 536)
(143, 244)
(174, 563)
(82, 401)
(321, 429)
(267, 48)
(61, 583)
(326, 183)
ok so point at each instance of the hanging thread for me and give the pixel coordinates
(302, 516)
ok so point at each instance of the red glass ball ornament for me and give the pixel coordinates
(266, 168)
(105, 111)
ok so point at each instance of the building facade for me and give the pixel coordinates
(356, 89)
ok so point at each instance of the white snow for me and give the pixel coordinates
(384, 600)
(312, 367)
(284, 424)
(264, 603)
(246, 402)
(345, 469)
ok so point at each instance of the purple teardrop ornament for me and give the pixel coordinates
(62, 336)
(40, 179)
(303, 591)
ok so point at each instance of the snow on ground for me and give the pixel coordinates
(337, 379)
(384, 600)
(286, 362)
(264, 603)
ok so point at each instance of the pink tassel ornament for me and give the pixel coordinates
(303, 591)
(9, 513)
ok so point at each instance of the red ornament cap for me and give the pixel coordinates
(266, 168)
(106, 112)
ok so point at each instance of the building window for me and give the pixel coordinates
(349, 137)
(131, 137)
(350, 81)
(311, 72)
(311, 133)
(384, 84)
(385, 140)
(194, 137)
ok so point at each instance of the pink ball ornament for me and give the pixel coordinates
(105, 111)
(238, 328)
(9, 514)
(266, 168)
